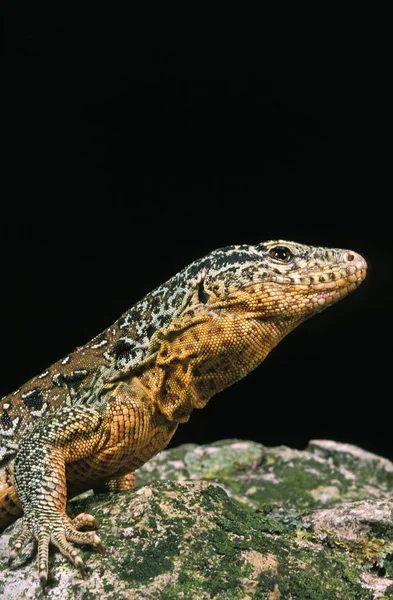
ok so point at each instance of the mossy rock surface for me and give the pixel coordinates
(233, 520)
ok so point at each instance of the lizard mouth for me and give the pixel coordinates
(333, 289)
(310, 290)
(329, 287)
(321, 288)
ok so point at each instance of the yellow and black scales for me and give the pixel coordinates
(92, 418)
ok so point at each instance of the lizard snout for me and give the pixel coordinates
(355, 260)
(354, 263)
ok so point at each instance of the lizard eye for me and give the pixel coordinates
(281, 253)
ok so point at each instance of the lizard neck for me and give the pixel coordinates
(201, 357)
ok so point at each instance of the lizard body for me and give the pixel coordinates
(92, 418)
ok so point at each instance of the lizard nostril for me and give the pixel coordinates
(358, 263)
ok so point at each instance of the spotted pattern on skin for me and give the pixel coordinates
(131, 340)
(33, 399)
(44, 374)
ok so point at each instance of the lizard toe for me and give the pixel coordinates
(84, 537)
(43, 551)
(25, 537)
(60, 541)
(84, 520)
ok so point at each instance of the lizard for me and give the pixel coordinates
(96, 415)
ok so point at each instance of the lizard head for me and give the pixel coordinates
(279, 280)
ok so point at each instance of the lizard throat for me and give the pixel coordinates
(200, 361)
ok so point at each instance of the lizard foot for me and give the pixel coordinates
(60, 530)
(26, 536)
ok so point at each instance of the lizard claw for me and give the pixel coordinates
(80, 566)
(25, 537)
(43, 580)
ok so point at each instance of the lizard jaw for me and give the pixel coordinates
(305, 293)
(338, 283)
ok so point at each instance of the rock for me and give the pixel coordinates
(233, 520)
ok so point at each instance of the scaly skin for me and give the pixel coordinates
(91, 419)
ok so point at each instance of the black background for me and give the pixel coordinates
(133, 149)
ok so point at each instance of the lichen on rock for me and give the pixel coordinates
(233, 520)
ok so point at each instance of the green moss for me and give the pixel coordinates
(109, 587)
(287, 484)
(239, 517)
(388, 565)
(306, 575)
(381, 529)
(374, 553)
(370, 551)
(152, 523)
(155, 558)
(388, 594)
(213, 567)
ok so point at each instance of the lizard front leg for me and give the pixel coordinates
(40, 482)
(81, 447)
